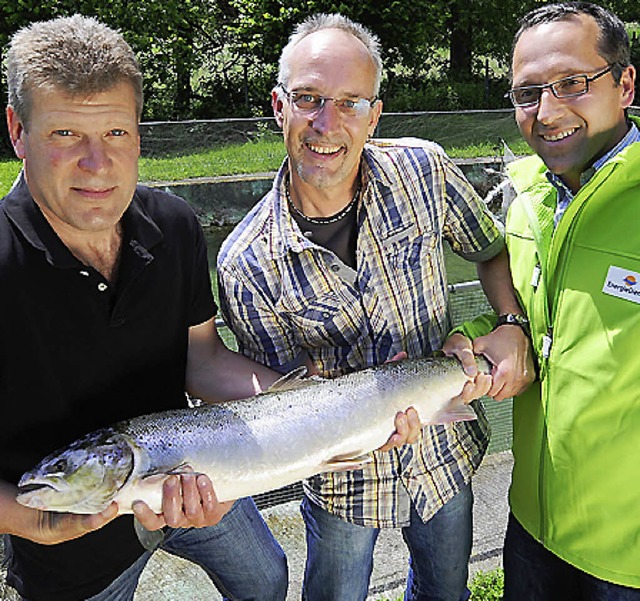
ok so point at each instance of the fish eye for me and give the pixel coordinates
(59, 466)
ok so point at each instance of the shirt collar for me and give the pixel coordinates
(633, 135)
(139, 229)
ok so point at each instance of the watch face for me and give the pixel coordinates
(514, 319)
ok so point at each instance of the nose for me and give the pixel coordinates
(327, 118)
(549, 107)
(95, 156)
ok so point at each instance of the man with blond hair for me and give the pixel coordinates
(106, 313)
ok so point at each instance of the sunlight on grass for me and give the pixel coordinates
(8, 172)
(252, 157)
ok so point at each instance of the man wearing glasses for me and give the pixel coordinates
(341, 267)
(575, 258)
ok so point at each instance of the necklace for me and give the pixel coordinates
(323, 220)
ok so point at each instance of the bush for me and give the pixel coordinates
(445, 95)
(487, 586)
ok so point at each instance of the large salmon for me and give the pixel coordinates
(251, 446)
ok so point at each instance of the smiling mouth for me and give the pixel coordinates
(324, 149)
(559, 136)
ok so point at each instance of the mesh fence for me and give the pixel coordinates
(467, 300)
(459, 129)
(450, 129)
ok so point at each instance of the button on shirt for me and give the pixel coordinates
(287, 298)
(565, 196)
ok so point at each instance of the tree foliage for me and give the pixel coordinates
(216, 58)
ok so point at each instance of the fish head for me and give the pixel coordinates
(82, 478)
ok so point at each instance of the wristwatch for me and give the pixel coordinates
(514, 319)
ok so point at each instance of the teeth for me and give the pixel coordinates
(560, 136)
(324, 149)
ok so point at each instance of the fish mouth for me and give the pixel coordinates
(29, 488)
(35, 494)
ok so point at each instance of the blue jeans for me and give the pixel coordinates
(340, 554)
(533, 573)
(239, 554)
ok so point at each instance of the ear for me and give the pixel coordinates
(16, 132)
(627, 84)
(376, 111)
(277, 104)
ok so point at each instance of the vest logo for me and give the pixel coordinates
(622, 283)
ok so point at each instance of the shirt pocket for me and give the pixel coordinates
(331, 318)
(412, 266)
(411, 287)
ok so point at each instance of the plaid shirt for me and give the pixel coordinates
(285, 297)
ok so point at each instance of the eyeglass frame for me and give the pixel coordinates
(323, 99)
(550, 85)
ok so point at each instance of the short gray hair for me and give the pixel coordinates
(77, 55)
(323, 21)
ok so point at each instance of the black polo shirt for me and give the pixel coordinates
(77, 353)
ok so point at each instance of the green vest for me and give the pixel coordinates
(576, 443)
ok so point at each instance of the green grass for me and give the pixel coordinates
(263, 155)
(8, 172)
(250, 157)
(485, 586)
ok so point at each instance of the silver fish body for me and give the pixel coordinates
(250, 446)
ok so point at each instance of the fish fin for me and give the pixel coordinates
(288, 380)
(343, 463)
(293, 380)
(149, 539)
(178, 470)
(453, 412)
(257, 388)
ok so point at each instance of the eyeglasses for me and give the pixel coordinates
(567, 87)
(309, 103)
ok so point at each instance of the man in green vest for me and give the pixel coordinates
(574, 528)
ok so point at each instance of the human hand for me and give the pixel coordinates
(408, 427)
(51, 527)
(461, 347)
(188, 501)
(509, 350)
(46, 527)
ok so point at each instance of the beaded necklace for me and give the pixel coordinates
(323, 220)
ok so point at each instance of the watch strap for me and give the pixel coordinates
(513, 319)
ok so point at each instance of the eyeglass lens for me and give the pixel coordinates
(314, 102)
(564, 88)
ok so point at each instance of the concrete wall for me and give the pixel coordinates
(225, 200)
